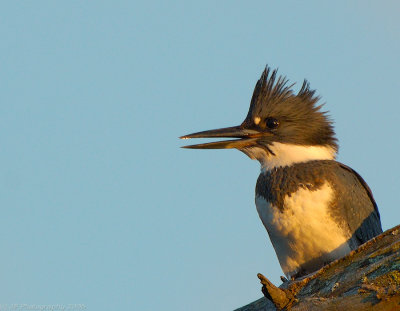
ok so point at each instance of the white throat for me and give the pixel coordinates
(289, 154)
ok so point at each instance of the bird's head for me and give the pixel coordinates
(281, 127)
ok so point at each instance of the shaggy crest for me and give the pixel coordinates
(298, 114)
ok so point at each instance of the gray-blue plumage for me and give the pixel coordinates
(352, 206)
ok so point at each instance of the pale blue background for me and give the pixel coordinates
(100, 206)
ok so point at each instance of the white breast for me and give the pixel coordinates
(304, 234)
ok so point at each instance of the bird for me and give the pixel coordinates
(314, 208)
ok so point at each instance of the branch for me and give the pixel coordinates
(368, 278)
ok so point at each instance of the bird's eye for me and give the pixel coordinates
(271, 123)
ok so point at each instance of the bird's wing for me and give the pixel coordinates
(358, 205)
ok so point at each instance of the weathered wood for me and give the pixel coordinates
(366, 279)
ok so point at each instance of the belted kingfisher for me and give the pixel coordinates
(314, 208)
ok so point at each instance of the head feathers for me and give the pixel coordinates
(300, 117)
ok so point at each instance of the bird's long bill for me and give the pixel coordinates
(246, 137)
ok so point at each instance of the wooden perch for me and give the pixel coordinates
(368, 278)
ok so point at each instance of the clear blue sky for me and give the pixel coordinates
(100, 206)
